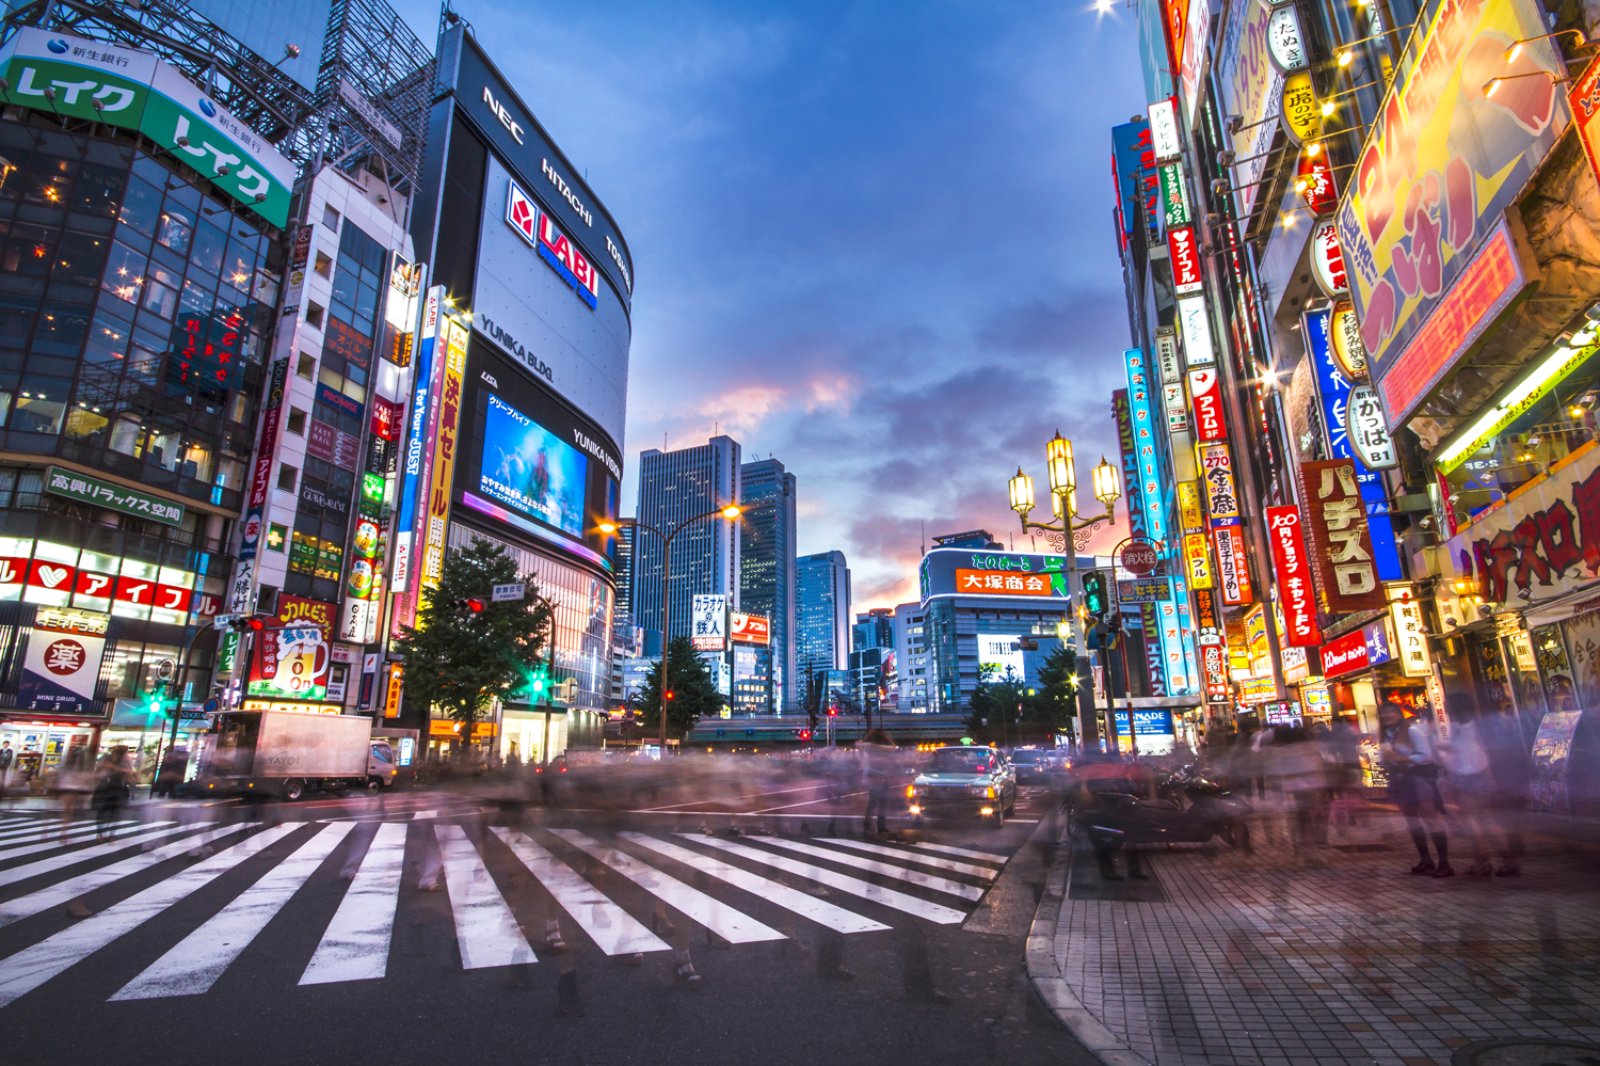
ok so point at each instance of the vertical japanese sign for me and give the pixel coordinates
(418, 444)
(1333, 393)
(1138, 181)
(1233, 571)
(1349, 575)
(1184, 248)
(1296, 593)
(1410, 635)
(240, 594)
(438, 514)
(1205, 392)
(1130, 464)
(1151, 469)
(1222, 496)
(708, 622)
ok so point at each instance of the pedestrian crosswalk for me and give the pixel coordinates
(506, 893)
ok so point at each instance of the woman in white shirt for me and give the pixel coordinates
(1465, 759)
(1408, 759)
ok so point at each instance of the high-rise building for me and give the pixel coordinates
(911, 658)
(767, 566)
(822, 617)
(674, 488)
(873, 629)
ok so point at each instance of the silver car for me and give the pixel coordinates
(965, 781)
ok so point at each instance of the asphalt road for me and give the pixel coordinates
(309, 934)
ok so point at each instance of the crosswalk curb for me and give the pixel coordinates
(1048, 983)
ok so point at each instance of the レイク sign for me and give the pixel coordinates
(1293, 566)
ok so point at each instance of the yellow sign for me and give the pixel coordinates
(1197, 559)
(444, 460)
(445, 727)
(287, 705)
(392, 689)
(1301, 112)
(1189, 507)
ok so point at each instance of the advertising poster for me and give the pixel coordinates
(1442, 162)
(749, 628)
(291, 661)
(1297, 595)
(62, 664)
(437, 514)
(708, 622)
(1338, 522)
(531, 470)
(1552, 751)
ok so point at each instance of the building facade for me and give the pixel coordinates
(767, 567)
(911, 658)
(822, 620)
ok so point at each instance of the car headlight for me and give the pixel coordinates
(981, 790)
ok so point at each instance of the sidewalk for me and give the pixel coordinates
(1256, 960)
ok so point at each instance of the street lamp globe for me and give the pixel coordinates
(731, 512)
(608, 528)
(1106, 489)
(1021, 493)
(1058, 460)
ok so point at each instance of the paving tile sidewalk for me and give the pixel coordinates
(1342, 958)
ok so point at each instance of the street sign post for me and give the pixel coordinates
(505, 593)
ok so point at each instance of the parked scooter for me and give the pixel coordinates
(1191, 809)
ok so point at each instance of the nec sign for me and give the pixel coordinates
(502, 113)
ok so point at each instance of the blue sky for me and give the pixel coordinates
(873, 240)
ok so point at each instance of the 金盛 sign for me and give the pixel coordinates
(1442, 162)
(708, 621)
(1233, 570)
(1482, 289)
(87, 489)
(1339, 529)
(73, 77)
(1004, 583)
(749, 628)
(1296, 593)
(1216, 471)
(1205, 391)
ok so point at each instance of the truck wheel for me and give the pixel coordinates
(293, 789)
(374, 786)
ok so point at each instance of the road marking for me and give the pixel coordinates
(913, 877)
(486, 931)
(33, 966)
(970, 869)
(778, 894)
(193, 965)
(355, 946)
(1024, 821)
(72, 858)
(721, 919)
(13, 910)
(807, 803)
(971, 853)
(614, 930)
(72, 839)
(888, 897)
(53, 828)
(753, 795)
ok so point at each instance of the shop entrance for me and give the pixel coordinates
(41, 747)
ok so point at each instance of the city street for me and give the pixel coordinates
(427, 916)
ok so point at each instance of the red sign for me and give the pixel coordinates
(1205, 386)
(1345, 655)
(1233, 569)
(1484, 289)
(1338, 519)
(1327, 258)
(1139, 558)
(1185, 252)
(1293, 566)
(1585, 101)
(386, 418)
(1319, 191)
(749, 628)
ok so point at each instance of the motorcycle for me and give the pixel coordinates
(1189, 809)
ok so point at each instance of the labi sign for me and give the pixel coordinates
(77, 78)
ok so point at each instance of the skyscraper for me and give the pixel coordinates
(767, 566)
(822, 616)
(675, 487)
(911, 657)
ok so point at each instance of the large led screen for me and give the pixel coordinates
(530, 469)
(531, 462)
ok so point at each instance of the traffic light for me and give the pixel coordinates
(805, 734)
(670, 695)
(1096, 599)
(154, 704)
(240, 623)
(474, 604)
(538, 681)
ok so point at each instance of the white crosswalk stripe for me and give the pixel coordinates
(971, 853)
(355, 946)
(750, 890)
(194, 965)
(78, 836)
(33, 966)
(50, 829)
(721, 919)
(486, 930)
(614, 930)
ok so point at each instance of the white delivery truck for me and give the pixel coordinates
(287, 753)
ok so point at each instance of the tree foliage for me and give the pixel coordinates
(694, 692)
(461, 660)
(1057, 702)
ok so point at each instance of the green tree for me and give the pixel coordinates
(694, 693)
(1056, 703)
(461, 660)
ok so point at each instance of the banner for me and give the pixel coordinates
(62, 665)
(1205, 390)
(291, 662)
(708, 622)
(1233, 570)
(1349, 575)
(437, 517)
(1222, 497)
(1296, 594)
(1459, 135)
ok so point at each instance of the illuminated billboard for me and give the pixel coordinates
(531, 462)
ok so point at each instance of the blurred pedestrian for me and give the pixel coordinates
(1342, 746)
(1302, 775)
(1471, 785)
(1409, 761)
(1509, 768)
(74, 781)
(7, 759)
(878, 774)
(112, 783)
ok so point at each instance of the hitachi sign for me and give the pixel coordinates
(502, 113)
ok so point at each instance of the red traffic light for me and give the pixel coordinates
(805, 734)
(833, 712)
(474, 604)
(671, 695)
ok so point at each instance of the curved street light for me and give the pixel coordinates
(1073, 531)
(730, 512)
